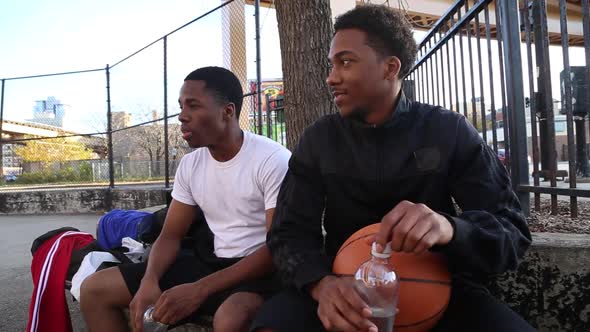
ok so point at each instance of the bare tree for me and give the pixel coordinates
(146, 142)
(305, 31)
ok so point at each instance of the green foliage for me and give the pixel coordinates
(37, 177)
(53, 150)
(85, 171)
(64, 175)
(277, 131)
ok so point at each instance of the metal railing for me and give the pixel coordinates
(124, 150)
(471, 62)
(275, 119)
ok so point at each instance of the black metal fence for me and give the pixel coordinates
(471, 62)
(135, 135)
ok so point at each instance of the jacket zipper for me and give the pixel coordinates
(379, 145)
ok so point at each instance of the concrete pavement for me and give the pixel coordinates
(16, 286)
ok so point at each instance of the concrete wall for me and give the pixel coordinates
(551, 288)
(79, 200)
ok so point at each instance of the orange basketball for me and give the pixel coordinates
(425, 282)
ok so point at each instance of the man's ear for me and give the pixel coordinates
(392, 68)
(229, 111)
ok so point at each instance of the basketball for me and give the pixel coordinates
(425, 282)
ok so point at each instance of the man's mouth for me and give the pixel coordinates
(338, 95)
(186, 134)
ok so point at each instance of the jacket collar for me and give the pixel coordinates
(402, 108)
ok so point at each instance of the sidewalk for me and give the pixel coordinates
(18, 233)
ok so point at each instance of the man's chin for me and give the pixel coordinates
(193, 144)
(353, 113)
(345, 112)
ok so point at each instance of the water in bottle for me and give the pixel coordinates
(378, 285)
(151, 325)
(383, 319)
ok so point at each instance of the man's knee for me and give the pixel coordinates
(237, 312)
(105, 287)
(91, 289)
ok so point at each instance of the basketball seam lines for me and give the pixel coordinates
(423, 281)
(352, 241)
(422, 321)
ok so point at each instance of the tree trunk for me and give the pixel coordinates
(305, 31)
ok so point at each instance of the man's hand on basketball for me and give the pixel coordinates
(179, 302)
(340, 306)
(414, 228)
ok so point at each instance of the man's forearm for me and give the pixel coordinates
(253, 266)
(162, 255)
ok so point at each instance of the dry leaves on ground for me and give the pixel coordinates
(543, 221)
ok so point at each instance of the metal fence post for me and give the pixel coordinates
(166, 154)
(258, 67)
(586, 25)
(110, 130)
(515, 99)
(544, 97)
(1, 123)
(269, 110)
(567, 102)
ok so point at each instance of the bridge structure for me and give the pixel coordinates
(15, 133)
(424, 14)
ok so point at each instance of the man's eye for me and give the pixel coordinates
(346, 62)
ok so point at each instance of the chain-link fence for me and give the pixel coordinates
(56, 129)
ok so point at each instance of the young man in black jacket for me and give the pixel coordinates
(387, 159)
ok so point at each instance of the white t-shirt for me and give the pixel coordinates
(234, 195)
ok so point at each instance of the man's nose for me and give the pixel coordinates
(182, 117)
(333, 77)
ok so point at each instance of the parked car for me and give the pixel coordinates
(502, 156)
(10, 178)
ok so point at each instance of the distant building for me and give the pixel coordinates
(49, 112)
(120, 120)
(10, 158)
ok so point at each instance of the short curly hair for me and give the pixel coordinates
(388, 32)
(222, 83)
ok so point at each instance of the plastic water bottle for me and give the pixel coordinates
(151, 325)
(378, 285)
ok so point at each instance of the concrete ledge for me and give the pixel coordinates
(135, 199)
(551, 287)
(67, 201)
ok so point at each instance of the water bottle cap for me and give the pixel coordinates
(386, 251)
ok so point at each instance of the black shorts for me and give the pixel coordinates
(190, 268)
(469, 309)
(289, 311)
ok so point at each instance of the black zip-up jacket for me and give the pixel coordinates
(351, 174)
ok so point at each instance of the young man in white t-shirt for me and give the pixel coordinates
(234, 178)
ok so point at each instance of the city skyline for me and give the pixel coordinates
(136, 84)
(103, 36)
